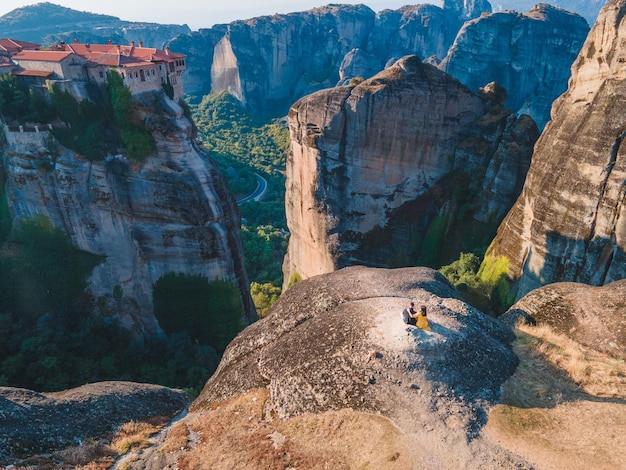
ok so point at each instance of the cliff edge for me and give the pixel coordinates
(172, 213)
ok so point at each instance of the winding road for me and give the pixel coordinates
(259, 192)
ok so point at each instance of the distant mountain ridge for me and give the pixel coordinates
(44, 14)
(47, 23)
(588, 9)
(271, 61)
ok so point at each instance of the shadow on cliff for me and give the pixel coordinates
(595, 262)
(429, 231)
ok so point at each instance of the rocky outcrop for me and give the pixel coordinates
(262, 61)
(424, 30)
(529, 54)
(407, 168)
(568, 223)
(335, 349)
(40, 422)
(588, 9)
(592, 316)
(342, 357)
(172, 213)
(332, 378)
(466, 10)
(271, 61)
(321, 325)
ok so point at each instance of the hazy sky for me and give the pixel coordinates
(199, 13)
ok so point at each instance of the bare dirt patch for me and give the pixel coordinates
(238, 433)
(565, 406)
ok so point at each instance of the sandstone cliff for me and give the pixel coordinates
(269, 62)
(568, 223)
(528, 54)
(173, 213)
(407, 168)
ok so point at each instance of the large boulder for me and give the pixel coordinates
(592, 316)
(314, 351)
(32, 422)
(407, 168)
(334, 356)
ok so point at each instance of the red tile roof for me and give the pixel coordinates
(13, 45)
(146, 54)
(42, 56)
(102, 54)
(116, 60)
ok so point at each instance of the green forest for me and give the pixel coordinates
(50, 339)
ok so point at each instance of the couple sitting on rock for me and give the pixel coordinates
(411, 317)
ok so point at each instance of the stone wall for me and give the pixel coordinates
(34, 137)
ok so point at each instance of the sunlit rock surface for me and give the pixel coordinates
(569, 222)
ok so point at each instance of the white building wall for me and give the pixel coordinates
(73, 68)
(31, 139)
(141, 79)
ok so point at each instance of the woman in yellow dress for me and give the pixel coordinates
(422, 320)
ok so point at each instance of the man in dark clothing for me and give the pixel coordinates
(409, 315)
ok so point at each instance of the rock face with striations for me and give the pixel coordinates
(270, 61)
(173, 213)
(586, 8)
(403, 169)
(569, 222)
(529, 54)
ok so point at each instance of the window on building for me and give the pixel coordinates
(142, 75)
(101, 74)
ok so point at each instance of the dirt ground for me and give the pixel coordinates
(238, 434)
(557, 422)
